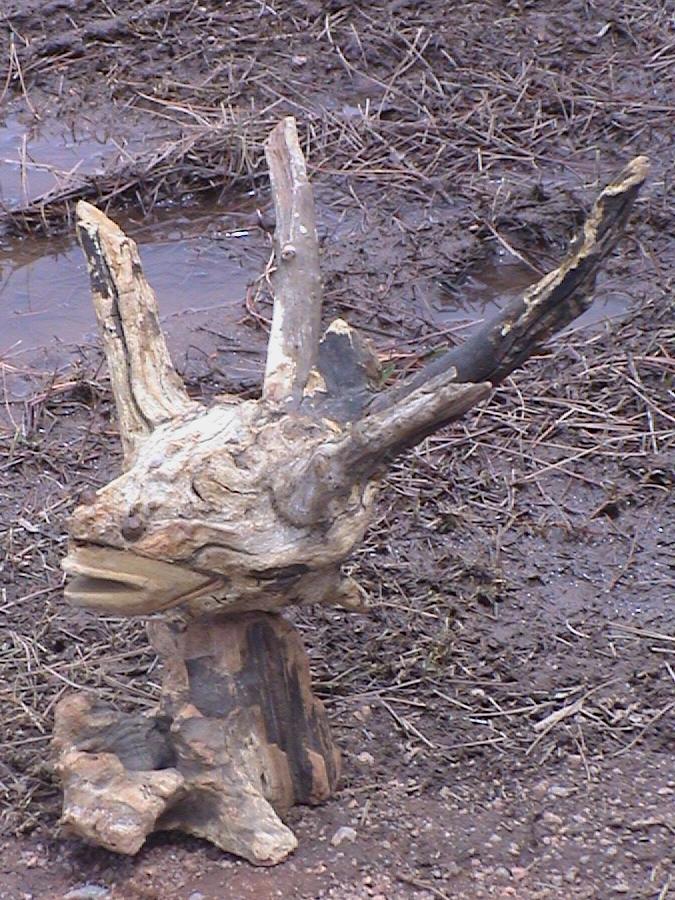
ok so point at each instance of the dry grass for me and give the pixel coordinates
(388, 96)
(506, 586)
(542, 475)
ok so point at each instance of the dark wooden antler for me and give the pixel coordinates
(522, 326)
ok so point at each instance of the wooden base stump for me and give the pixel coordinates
(239, 738)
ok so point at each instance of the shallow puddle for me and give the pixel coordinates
(493, 282)
(35, 157)
(195, 262)
(199, 260)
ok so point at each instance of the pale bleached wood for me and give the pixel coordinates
(229, 513)
(147, 389)
(201, 495)
(296, 319)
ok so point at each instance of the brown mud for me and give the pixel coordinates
(506, 710)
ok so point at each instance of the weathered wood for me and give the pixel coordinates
(348, 364)
(296, 319)
(257, 505)
(205, 496)
(115, 770)
(229, 513)
(239, 739)
(117, 582)
(147, 389)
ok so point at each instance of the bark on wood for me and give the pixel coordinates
(238, 740)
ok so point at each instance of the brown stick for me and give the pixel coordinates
(296, 320)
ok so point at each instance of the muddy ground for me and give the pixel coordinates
(521, 563)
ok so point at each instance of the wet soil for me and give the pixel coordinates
(521, 564)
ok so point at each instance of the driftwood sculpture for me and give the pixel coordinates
(229, 513)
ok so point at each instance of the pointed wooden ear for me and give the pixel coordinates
(296, 319)
(148, 390)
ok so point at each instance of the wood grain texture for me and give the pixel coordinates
(296, 320)
(147, 389)
(239, 738)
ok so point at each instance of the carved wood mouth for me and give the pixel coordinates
(121, 583)
(104, 594)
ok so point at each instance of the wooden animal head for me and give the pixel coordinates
(255, 504)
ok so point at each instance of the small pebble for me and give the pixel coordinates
(557, 790)
(87, 892)
(344, 833)
(365, 758)
(550, 818)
